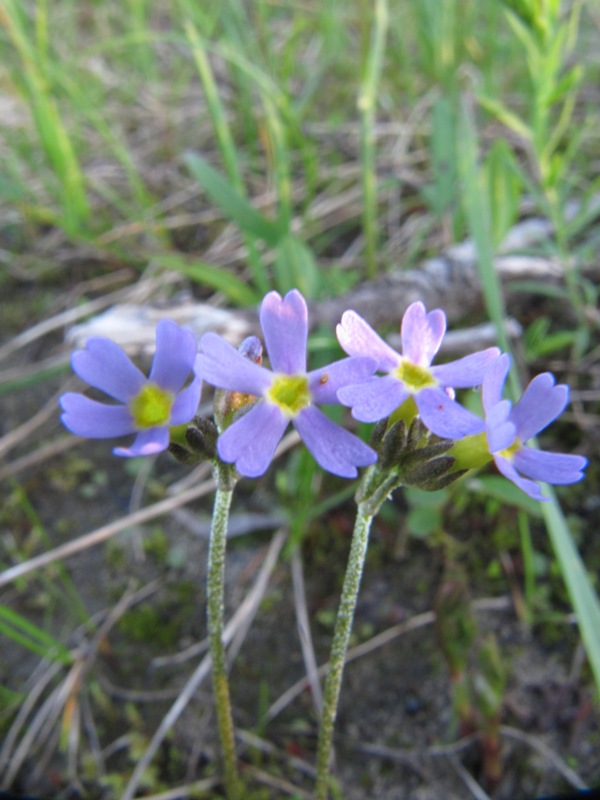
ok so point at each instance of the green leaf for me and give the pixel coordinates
(442, 193)
(505, 115)
(583, 597)
(569, 83)
(504, 189)
(232, 204)
(296, 268)
(216, 277)
(423, 521)
(539, 341)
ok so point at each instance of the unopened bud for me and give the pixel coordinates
(195, 442)
(227, 404)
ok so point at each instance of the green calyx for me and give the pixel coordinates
(290, 393)
(414, 377)
(471, 452)
(151, 407)
(409, 455)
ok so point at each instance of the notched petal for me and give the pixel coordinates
(106, 366)
(285, 326)
(334, 449)
(93, 420)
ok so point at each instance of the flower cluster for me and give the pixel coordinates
(413, 402)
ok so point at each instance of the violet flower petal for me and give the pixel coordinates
(529, 487)
(422, 333)
(251, 441)
(324, 383)
(501, 432)
(146, 443)
(105, 366)
(285, 327)
(493, 381)
(186, 403)
(445, 417)
(466, 372)
(374, 399)
(539, 405)
(357, 338)
(558, 468)
(221, 365)
(176, 349)
(94, 420)
(334, 449)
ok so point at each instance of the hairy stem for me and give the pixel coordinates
(339, 647)
(215, 604)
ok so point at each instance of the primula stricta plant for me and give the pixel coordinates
(410, 375)
(423, 437)
(285, 393)
(147, 407)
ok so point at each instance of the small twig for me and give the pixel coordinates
(105, 532)
(418, 621)
(16, 436)
(41, 454)
(263, 746)
(468, 779)
(277, 783)
(181, 657)
(61, 320)
(6, 755)
(189, 790)
(546, 752)
(303, 624)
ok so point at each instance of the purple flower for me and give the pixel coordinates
(146, 406)
(508, 428)
(286, 393)
(410, 374)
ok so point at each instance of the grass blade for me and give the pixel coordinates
(24, 632)
(584, 599)
(235, 207)
(367, 102)
(235, 289)
(477, 208)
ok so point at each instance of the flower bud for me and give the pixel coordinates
(227, 404)
(195, 443)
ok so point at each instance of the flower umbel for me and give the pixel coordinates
(147, 407)
(411, 374)
(508, 428)
(285, 393)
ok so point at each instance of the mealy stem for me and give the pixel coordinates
(215, 605)
(339, 647)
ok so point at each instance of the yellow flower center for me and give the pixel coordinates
(509, 453)
(151, 407)
(414, 377)
(290, 393)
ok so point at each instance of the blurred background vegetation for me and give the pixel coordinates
(224, 149)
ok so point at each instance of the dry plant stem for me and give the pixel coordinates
(339, 647)
(215, 605)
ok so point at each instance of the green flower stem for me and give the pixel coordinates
(339, 647)
(215, 605)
